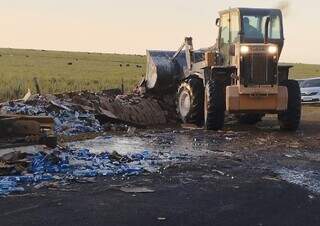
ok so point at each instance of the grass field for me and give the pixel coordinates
(66, 71)
(301, 71)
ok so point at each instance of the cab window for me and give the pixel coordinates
(275, 28)
(234, 27)
(254, 26)
(225, 28)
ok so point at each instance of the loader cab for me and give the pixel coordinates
(246, 25)
(251, 39)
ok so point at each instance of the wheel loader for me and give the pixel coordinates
(240, 74)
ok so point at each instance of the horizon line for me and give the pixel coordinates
(115, 53)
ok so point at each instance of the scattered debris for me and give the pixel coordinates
(136, 190)
(9, 185)
(305, 178)
(311, 197)
(288, 156)
(131, 130)
(47, 184)
(271, 178)
(82, 112)
(48, 169)
(218, 172)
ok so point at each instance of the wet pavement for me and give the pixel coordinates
(240, 176)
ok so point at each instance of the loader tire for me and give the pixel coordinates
(214, 106)
(190, 100)
(249, 119)
(290, 119)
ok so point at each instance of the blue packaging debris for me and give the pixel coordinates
(68, 164)
(68, 121)
(8, 185)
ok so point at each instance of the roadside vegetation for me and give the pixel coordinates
(73, 71)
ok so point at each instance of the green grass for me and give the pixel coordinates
(301, 71)
(88, 71)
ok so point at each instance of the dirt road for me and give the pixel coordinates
(241, 176)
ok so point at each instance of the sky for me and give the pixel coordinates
(132, 26)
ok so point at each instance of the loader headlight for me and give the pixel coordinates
(272, 49)
(244, 49)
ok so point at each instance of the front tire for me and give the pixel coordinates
(190, 100)
(290, 119)
(215, 105)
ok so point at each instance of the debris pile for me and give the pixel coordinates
(81, 112)
(68, 121)
(68, 164)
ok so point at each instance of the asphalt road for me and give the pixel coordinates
(248, 176)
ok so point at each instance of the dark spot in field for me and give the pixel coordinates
(77, 59)
(70, 63)
(53, 80)
(27, 56)
(0, 55)
(120, 65)
(138, 66)
(128, 65)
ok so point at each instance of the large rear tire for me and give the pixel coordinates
(290, 119)
(190, 100)
(214, 106)
(249, 119)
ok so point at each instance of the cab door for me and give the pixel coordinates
(229, 36)
(224, 40)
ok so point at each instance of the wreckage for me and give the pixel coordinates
(46, 119)
(41, 118)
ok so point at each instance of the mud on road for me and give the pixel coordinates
(244, 175)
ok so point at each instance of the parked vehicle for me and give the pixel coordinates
(310, 91)
(300, 81)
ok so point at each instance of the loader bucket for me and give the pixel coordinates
(162, 72)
